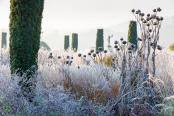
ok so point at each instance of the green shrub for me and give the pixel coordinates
(99, 39)
(4, 40)
(132, 33)
(66, 42)
(74, 42)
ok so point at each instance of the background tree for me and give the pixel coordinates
(25, 30)
(171, 47)
(66, 42)
(132, 33)
(4, 40)
(74, 42)
(99, 39)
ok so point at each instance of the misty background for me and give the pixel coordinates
(64, 17)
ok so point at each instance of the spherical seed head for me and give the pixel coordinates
(151, 44)
(148, 24)
(155, 23)
(79, 55)
(67, 62)
(72, 58)
(159, 9)
(116, 42)
(116, 46)
(78, 67)
(67, 57)
(92, 51)
(150, 30)
(121, 39)
(154, 10)
(113, 59)
(71, 61)
(100, 48)
(59, 57)
(129, 52)
(137, 12)
(89, 53)
(133, 10)
(97, 52)
(148, 19)
(84, 56)
(133, 46)
(129, 48)
(161, 18)
(151, 17)
(157, 18)
(124, 42)
(105, 51)
(118, 49)
(148, 15)
(94, 55)
(144, 21)
(50, 56)
(142, 14)
(159, 47)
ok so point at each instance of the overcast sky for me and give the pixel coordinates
(87, 14)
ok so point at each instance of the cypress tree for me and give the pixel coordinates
(66, 42)
(99, 39)
(132, 33)
(4, 40)
(74, 44)
(25, 30)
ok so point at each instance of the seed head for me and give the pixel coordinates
(148, 15)
(129, 48)
(129, 52)
(148, 24)
(67, 62)
(92, 51)
(50, 56)
(121, 39)
(144, 21)
(97, 52)
(105, 51)
(94, 55)
(161, 18)
(116, 46)
(124, 42)
(100, 48)
(71, 57)
(133, 46)
(67, 57)
(89, 53)
(159, 9)
(155, 23)
(150, 30)
(59, 57)
(118, 49)
(79, 55)
(84, 56)
(159, 47)
(133, 10)
(154, 10)
(116, 42)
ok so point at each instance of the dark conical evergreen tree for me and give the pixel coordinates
(66, 42)
(25, 30)
(74, 44)
(132, 33)
(4, 40)
(99, 39)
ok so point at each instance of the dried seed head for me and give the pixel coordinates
(154, 10)
(59, 57)
(133, 10)
(129, 52)
(159, 47)
(97, 52)
(151, 44)
(150, 30)
(142, 14)
(133, 46)
(105, 51)
(79, 55)
(71, 57)
(100, 48)
(148, 15)
(116, 42)
(67, 57)
(129, 48)
(144, 21)
(94, 55)
(161, 18)
(92, 51)
(50, 56)
(157, 18)
(159, 9)
(71, 61)
(89, 53)
(116, 46)
(84, 56)
(148, 24)
(121, 39)
(113, 59)
(67, 62)
(139, 39)
(124, 42)
(155, 23)
(118, 49)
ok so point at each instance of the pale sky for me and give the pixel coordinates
(76, 15)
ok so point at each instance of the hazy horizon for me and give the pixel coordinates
(64, 17)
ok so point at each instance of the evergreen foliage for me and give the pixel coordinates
(66, 42)
(74, 42)
(4, 40)
(171, 47)
(132, 33)
(25, 30)
(99, 39)
(44, 45)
